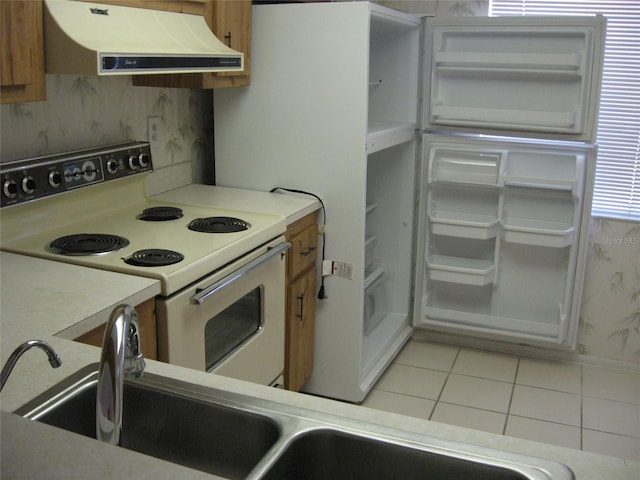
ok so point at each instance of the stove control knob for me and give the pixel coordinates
(112, 166)
(55, 178)
(134, 163)
(28, 184)
(10, 188)
(143, 160)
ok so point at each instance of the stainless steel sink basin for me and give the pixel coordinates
(190, 431)
(328, 453)
(237, 436)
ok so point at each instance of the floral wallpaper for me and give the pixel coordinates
(86, 111)
(610, 315)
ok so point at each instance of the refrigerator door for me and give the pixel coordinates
(514, 76)
(503, 234)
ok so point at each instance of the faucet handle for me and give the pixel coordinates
(134, 360)
(134, 366)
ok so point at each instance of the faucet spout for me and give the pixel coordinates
(54, 359)
(121, 357)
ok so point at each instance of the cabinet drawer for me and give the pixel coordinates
(304, 250)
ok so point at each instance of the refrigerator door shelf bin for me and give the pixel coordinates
(548, 164)
(525, 120)
(375, 301)
(369, 251)
(502, 327)
(466, 271)
(550, 63)
(458, 166)
(372, 274)
(545, 170)
(537, 232)
(446, 296)
(466, 225)
(393, 330)
(541, 183)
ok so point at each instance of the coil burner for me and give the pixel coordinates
(160, 214)
(88, 244)
(154, 257)
(218, 225)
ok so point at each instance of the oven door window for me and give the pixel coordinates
(232, 327)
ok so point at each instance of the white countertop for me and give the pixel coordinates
(291, 206)
(42, 298)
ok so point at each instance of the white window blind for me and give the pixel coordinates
(617, 185)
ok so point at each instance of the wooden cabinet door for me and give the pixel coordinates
(231, 23)
(22, 52)
(301, 301)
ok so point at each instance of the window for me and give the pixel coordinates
(617, 185)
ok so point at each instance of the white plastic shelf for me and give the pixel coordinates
(466, 271)
(526, 120)
(383, 135)
(465, 225)
(459, 166)
(540, 233)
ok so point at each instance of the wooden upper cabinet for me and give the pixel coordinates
(229, 20)
(22, 55)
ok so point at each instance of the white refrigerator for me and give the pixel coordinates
(455, 159)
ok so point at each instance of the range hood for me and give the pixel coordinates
(96, 39)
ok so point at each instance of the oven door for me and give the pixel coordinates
(232, 321)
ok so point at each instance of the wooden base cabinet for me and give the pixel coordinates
(301, 301)
(146, 312)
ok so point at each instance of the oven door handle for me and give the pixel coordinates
(203, 294)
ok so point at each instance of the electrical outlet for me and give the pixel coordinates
(153, 132)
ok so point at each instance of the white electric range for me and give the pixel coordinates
(221, 270)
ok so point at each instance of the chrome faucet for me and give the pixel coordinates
(54, 359)
(121, 357)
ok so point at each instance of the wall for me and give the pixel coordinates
(83, 111)
(610, 317)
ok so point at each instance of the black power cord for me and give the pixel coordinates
(321, 294)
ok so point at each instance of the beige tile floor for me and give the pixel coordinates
(578, 406)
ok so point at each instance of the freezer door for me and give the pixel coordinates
(515, 76)
(503, 228)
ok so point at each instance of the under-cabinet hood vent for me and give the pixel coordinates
(97, 39)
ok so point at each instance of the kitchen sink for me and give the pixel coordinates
(194, 432)
(328, 453)
(236, 436)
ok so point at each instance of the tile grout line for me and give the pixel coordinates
(513, 389)
(446, 380)
(581, 407)
(581, 427)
